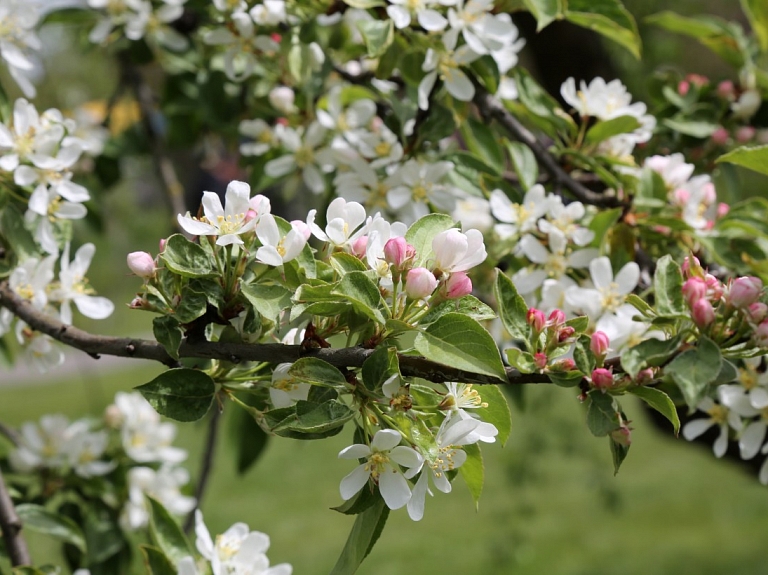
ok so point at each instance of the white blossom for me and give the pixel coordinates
(228, 223)
(446, 64)
(306, 154)
(163, 485)
(72, 287)
(278, 248)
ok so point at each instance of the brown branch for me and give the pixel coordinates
(10, 433)
(490, 107)
(206, 465)
(97, 345)
(10, 524)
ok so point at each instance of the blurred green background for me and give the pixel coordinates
(551, 503)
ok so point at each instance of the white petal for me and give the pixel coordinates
(385, 439)
(696, 427)
(356, 451)
(459, 86)
(354, 482)
(406, 456)
(431, 20)
(418, 497)
(628, 277)
(752, 439)
(602, 272)
(425, 88)
(394, 488)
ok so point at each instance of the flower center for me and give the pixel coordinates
(718, 414)
(304, 155)
(748, 378)
(611, 298)
(230, 224)
(376, 463)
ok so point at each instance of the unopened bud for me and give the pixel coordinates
(692, 267)
(359, 246)
(694, 289)
(703, 313)
(556, 317)
(535, 318)
(683, 87)
(760, 335)
(420, 283)
(142, 264)
(602, 378)
(396, 251)
(540, 360)
(622, 436)
(723, 209)
(113, 417)
(566, 364)
(161, 245)
(715, 288)
(282, 98)
(745, 291)
(565, 333)
(726, 90)
(757, 312)
(644, 376)
(599, 344)
(720, 136)
(745, 134)
(458, 285)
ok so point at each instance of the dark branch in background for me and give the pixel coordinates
(206, 465)
(131, 76)
(11, 525)
(10, 433)
(97, 345)
(490, 107)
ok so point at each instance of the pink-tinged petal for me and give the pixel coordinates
(394, 488)
(752, 439)
(418, 497)
(354, 482)
(406, 456)
(356, 451)
(628, 277)
(696, 427)
(385, 439)
(601, 271)
(196, 227)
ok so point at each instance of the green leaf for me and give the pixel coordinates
(344, 263)
(103, 535)
(618, 454)
(377, 35)
(380, 366)
(648, 353)
(610, 128)
(364, 499)
(186, 259)
(524, 164)
(167, 331)
(757, 14)
(497, 411)
(487, 71)
(482, 141)
(545, 11)
(566, 378)
(156, 562)
(640, 305)
(182, 394)
(520, 360)
(609, 18)
(602, 413)
(365, 532)
(308, 420)
(461, 342)
(538, 102)
(192, 305)
(694, 369)
(41, 520)
(316, 372)
(269, 301)
(359, 290)
(166, 533)
(754, 158)
(694, 128)
(583, 356)
(513, 310)
(467, 305)
(728, 373)
(249, 438)
(473, 472)
(12, 228)
(602, 223)
(668, 287)
(659, 401)
(423, 231)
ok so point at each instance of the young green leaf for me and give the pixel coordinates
(609, 128)
(167, 332)
(753, 158)
(365, 532)
(377, 35)
(41, 520)
(156, 562)
(316, 372)
(497, 411)
(186, 259)
(473, 472)
(668, 287)
(421, 234)
(659, 401)
(609, 18)
(364, 295)
(602, 413)
(513, 310)
(694, 369)
(648, 353)
(166, 533)
(182, 394)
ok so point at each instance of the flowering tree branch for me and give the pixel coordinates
(490, 107)
(11, 525)
(97, 345)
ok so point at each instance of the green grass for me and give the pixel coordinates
(551, 504)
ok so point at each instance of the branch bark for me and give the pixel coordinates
(206, 465)
(490, 107)
(97, 345)
(10, 524)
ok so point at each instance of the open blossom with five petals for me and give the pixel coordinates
(460, 397)
(383, 457)
(237, 551)
(430, 19)
(72, 287)
(609, 293)
(228, 222)
(162, 484)
(719, 415)
(519, 218)
(18, 41)
(454, 251)
(242, 43)
(482, 31)
(307, 154)
(30, 137)
(446, 64)
(549, 263)
(418, 185)
(345, 223)
(278, 248)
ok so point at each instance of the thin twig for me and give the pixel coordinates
(10, 524)
(206, 465)
(490, 107)
(10, 433)
(96, 345)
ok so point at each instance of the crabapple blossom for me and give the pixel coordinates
(703, 313)
(447, 65)
(609, 291)
(719, 415)
(278, 248)
(345, 223)
(420, 283)
(162, 484)
(72, 287)
(142, 264)
(455, 251)
(285, 390)
(599, 344)
(306, 154)
(458, 285)
(602, 378)
(226, 223)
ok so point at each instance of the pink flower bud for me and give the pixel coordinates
(566, 364)
(420, 283)
(744, 291)
(276, 37)
(723, 209)
(726, 90)
(395, 251)
(757, 312)
(556, 317)
(458, 285)
(161, 245)
(142, 264)
(138, 303)
(681, 196)
(535, 318)
(540, 360)
(703, 313)
(691, 268)
(565, 334)
(760, 335)
(683, 87)
(694, 289)
(281, 98)
(644, 376)
(602, 378)
(714, 287)
(359, 246)
(622, 436)
(720, 136)
(599, 344)
(745, 134)
(697, 79)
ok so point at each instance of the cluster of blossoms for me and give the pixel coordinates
(137, 19)
(606, 101)
(19, 42)
(130, 432)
